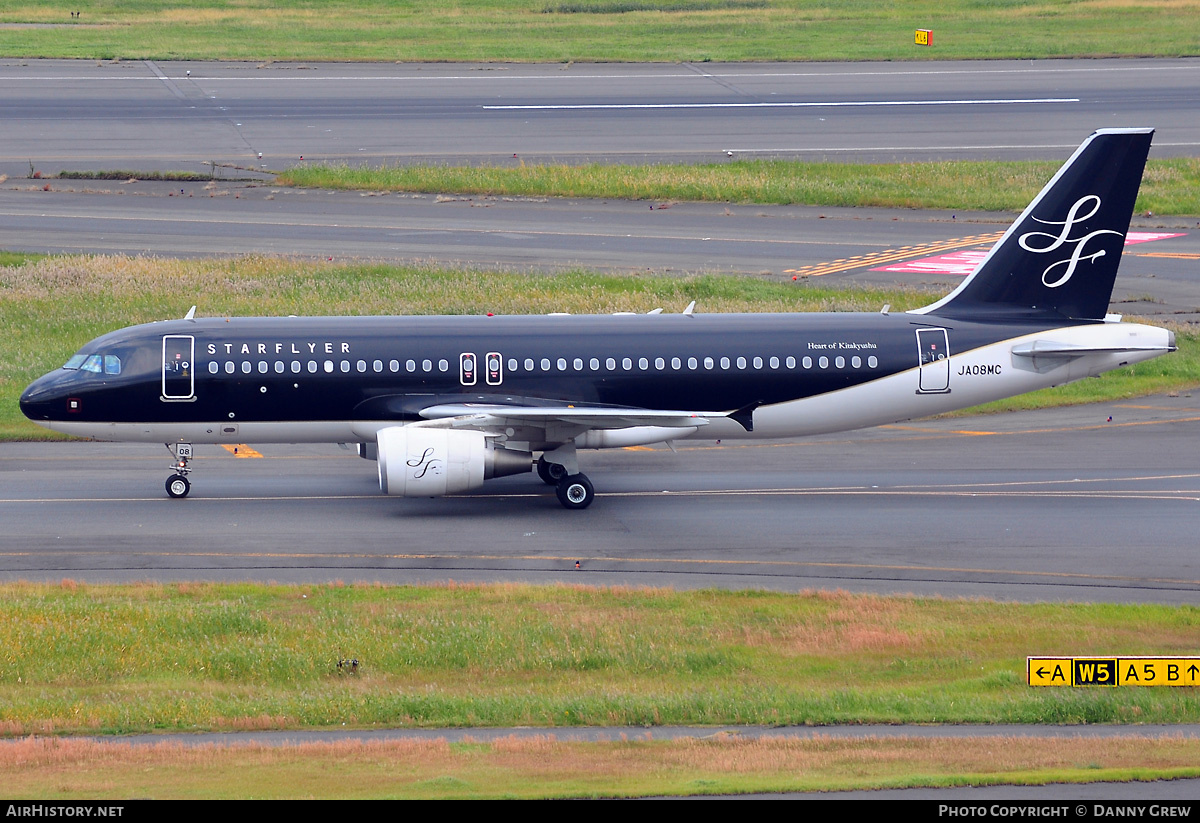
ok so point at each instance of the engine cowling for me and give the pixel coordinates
(423, 462)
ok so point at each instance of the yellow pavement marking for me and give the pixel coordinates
(894, 255)
(1176, 255)
(240, 450)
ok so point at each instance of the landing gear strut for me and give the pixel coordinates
(177, 484)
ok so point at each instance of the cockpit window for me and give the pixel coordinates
(95, 363)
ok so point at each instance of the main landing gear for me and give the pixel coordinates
(177, 484)
(574, 490)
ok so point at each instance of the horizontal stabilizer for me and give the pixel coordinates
(1043, 356)
(1047, 347)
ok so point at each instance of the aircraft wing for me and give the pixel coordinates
(585, 417)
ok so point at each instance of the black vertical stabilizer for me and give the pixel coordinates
(1061, 255)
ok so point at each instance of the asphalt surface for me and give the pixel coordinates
(103, 114)
(1051, 505)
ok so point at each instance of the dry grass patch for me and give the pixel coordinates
(544, 766)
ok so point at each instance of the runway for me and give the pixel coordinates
(1049, 505)
(102, 114)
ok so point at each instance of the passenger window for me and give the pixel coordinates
(594, 364)
(708, 362)
(724, 362)
(545, 364)
(562, 364)
(295, 367)
(394, 366)
(279, 367)
(856, 361)
(610, 364)
(329, 366)
(872, 361)
(659, 363)
(426, 365)
(360, 366)
(377, 366)
(692, 363)
(643, 363)
(774, 362)
(512, 364)
(807, 362)
(528, 364)
(758, 362)
(626, 364)
(246, 367)
(791, 362)
(443, 365)
(741, 362)
(312, 366)
(823, 362)
(578, 364)
(840, 362)
(229, 367)
(263, 367)
(213, 367)
(676, 363)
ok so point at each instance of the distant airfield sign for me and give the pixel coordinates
(1113, 671)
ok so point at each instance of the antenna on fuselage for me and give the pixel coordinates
(691, 309)
(191, 315)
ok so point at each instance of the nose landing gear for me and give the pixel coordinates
(177, 484)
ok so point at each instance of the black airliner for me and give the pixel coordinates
(445, 403)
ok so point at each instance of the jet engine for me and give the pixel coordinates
(423, 462)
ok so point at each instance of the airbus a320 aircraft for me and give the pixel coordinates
(445, 403)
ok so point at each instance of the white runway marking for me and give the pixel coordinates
(779, 104)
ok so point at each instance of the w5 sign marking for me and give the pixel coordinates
(1112, 671)
(1056, 241)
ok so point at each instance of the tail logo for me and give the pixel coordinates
(1056, 241)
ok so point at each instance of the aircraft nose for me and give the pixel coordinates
(41, 397)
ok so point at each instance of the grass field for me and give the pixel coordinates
(78, 658)
(1169, 187)
(598, 30)
(107, 659)
(50, 306)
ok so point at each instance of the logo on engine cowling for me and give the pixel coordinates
(425, 464)
(1063, 237)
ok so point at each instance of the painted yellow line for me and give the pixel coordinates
(240, 450)
(1175, 255)
(894, 255)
